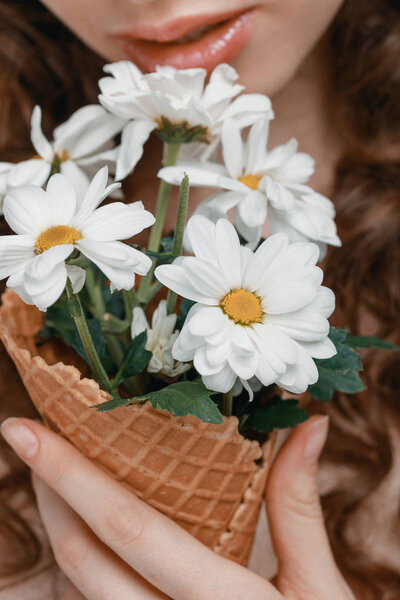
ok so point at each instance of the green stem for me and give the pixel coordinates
(162, 200)
(227, 403)
(98, 309)
(76, 311)
(179, 231)
(158, 227)
(130, 300)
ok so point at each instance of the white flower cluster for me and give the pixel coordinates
(260, 312)
(258, 183)
(161, 337)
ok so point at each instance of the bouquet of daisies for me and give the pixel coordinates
(211, 320)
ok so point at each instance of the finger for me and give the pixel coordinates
(161, 551)
(94, 569)
(306, 564)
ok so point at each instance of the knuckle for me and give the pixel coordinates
(122, 525)
(304, 502)
(296, 498)
(70, 551)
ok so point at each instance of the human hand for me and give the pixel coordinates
(112, 545)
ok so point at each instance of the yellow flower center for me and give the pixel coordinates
(63, 156)
(242, 306)
(57, 236)
(251, 181)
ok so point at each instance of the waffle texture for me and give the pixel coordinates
(203, 476)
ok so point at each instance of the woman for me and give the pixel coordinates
(332, 71)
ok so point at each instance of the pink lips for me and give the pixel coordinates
(220, 39)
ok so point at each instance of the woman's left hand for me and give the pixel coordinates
(112, 545)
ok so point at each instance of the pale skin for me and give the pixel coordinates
(108, 542)
(111, 545)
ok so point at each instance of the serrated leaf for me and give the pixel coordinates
(346, 358)
(329, 381)
(370, 341)
(94, 326)
(115, 402)
(186, 398)
(136, 358)
(340, 372)
(276, 414)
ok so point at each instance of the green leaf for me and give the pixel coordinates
(340, 372)
(59, 320)
(163, 258)
(184, 308)
(186, 398)
(370, 341)
(135, 360)
(329, 381)
(276, 414)
(94, 326)
(115, 402)
(346, 358)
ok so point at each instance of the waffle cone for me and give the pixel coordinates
(201, 475)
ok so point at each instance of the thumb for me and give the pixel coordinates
(306, 565)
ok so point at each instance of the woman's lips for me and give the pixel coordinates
(188, 42)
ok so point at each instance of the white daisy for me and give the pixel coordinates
(80, 146)
(51, 224)
(177, 99)
(260, 182)
(161, 337)
(261, 314)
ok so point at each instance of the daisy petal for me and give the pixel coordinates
(204, 176)
(118, 261)
(264, 257)
(223, 381)
(244, 364)
(248, 108)
(139, 322)
(207, 321)
(86, 131)
(29, 172)
(174, 278)
(25, 208)
(94, 195)
(135, 134)
(253, 209)
(116, 221)
(256, 146)
(201, 363)
(15, 252)
(61, 200)
(305, 325)
(232, 148)
(201, 234)
(77, 277)
(228, 252)
(77, 177)
(46, 276)
(321, 349)
(289, 297)
(39, 142)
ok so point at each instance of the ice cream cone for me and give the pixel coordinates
(203, 476)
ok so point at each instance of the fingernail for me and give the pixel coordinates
(21, 439)
(316, 440)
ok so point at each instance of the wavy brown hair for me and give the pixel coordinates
(362, 508)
